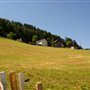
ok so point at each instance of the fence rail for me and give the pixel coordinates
(13, 82)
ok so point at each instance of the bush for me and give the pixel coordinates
(11, 35)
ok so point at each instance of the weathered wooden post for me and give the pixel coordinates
(3, 80)
(21, 81)
(13, 81)
(39, 86)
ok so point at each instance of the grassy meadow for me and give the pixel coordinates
(56, 68)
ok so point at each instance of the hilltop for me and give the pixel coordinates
(30, 34)
(57, 69)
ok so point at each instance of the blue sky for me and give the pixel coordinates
(70, 18)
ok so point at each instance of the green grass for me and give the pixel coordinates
(56, 68)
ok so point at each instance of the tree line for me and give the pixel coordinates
(30, 34)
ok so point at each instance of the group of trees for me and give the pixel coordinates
(30, 34)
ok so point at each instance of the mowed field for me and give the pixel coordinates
(56, 68)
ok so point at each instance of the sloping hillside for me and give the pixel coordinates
(57, 69)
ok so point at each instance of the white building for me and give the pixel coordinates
(42, 42)
(72, 47)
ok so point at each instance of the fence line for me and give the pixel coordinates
(13, 81)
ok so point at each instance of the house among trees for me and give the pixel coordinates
(30, 34)
(19, 40)
(42, 42)
(74, 47)
(58, 43)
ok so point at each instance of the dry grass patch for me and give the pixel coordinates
(58, 69)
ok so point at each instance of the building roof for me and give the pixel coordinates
(41, 40)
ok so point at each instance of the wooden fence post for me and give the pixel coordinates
(21, 81)
(3, 79)
(39, 86)
(13, 81)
